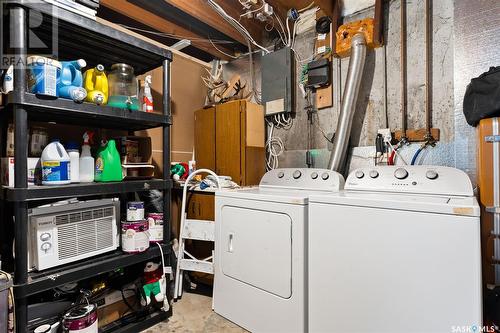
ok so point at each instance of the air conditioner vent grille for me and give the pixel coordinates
(84, 237)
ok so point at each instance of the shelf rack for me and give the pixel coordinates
(77, 37)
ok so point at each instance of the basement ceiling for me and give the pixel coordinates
(169, 21)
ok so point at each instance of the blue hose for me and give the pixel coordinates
(414, 159)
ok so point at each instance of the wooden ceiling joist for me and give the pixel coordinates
(201, 10)
(160, 24)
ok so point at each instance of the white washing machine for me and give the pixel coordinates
(397, 251)
(260, 259)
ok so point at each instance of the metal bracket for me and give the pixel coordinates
(494, 210)
(492, 138)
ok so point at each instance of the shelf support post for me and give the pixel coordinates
(19, 33)
(167, 222)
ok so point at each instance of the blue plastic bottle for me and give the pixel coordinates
(70, 84)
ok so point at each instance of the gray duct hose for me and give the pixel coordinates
(349, 99)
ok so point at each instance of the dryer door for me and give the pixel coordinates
(256, 248)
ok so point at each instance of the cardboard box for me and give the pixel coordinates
(34, 171)
(137, 171)
(134, 149)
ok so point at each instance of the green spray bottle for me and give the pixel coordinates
(108, 167)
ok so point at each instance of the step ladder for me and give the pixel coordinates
(196, 230)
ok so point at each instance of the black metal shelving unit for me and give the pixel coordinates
(77, 37)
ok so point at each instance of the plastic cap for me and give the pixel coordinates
(72, 146)
(82, 63)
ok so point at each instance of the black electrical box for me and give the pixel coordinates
(318, 73)
(278, 82)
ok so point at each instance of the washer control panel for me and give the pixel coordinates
(424, 179)
(303, 178)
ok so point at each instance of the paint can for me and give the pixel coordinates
(135, 211)
(81, 319)
(135, 236)
(155, 221)
(43, 74)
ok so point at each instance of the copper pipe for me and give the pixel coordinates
(428, 70)
(403, 70)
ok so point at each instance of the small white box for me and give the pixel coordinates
(7, 170)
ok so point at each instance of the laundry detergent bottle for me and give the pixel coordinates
(70, 84)
(108, 166)
(86, 160)
(96, 84)
(55, 163)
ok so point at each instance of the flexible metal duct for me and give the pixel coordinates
(351, 91)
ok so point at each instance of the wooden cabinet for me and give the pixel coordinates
(201, 206)
(229, 139)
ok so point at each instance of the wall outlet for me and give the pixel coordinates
(386, 134)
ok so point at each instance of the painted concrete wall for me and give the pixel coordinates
(475, 25)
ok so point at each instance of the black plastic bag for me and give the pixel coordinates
(482, 97)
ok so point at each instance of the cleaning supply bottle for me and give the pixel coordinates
(108, 167)
(147, 97)
(56, 164)
(96, 84)
(70, 84)
(74, 158)
(86, 160)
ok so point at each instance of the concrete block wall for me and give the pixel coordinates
(465, 40)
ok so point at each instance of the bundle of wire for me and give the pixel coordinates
(274, 144)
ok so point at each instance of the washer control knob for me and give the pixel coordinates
(431, 174)
(297, 174)
(45, 247)
(314, 175)
(45, 237)
(281, 174)
(359, 174)
(400, 173)
(373, 173)
(325, 176)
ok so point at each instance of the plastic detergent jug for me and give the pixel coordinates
(96, 84)
(86, 160)
(43, 75)
(55, 164)
(108, 167)
(70, 84)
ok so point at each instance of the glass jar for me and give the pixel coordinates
(123, 88)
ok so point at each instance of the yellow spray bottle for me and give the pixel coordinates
(96, 84)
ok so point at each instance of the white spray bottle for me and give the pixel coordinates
(86, 160)
(147, 97)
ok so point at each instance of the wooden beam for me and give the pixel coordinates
(378, 29)
(152, 41)
(285, 5)
(158, 23)
(202, 11)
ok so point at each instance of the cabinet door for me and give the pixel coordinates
(228, 140)
(201, 206)
(204, 138)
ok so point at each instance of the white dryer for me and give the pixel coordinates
(260, 259)
(397, 251)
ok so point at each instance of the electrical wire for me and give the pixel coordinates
(282, 28)
(252, 11)
(224, 53)
(306, 8)
(237, 25)
(274, 148)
